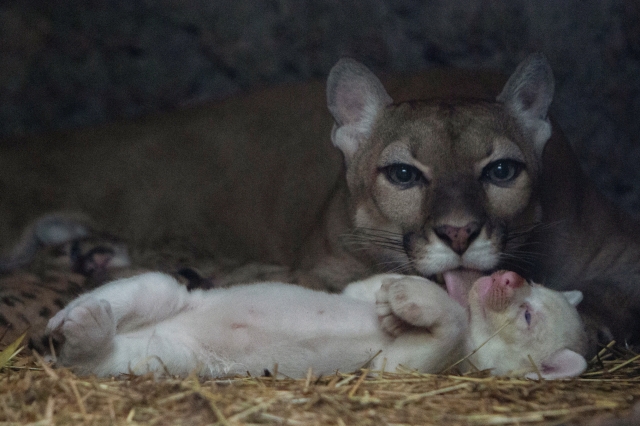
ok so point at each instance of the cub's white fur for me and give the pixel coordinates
(152, 323)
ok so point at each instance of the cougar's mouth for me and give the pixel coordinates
(458, 282)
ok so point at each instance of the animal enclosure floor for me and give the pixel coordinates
(32, 392)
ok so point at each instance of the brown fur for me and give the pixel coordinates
(256, 178)
(251, 177)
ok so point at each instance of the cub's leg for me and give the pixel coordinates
(89, 326)
(88, 331)
(429, 326)
(134, 301)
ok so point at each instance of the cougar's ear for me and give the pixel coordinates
(527, 96)
(355, 97)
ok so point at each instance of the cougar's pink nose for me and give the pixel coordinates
(458, 237)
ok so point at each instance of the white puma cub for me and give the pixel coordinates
(152, 323)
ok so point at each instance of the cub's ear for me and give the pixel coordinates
(527, 96)
(561, 364)
(574, 296)
(355, 97)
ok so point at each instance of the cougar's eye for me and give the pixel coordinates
(403, 175)
(502, 172)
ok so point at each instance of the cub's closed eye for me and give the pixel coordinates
(403, 175)
(525, 310)
(502, 172)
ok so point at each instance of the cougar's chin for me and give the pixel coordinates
(457, 272)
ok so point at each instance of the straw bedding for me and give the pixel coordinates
(32, 392)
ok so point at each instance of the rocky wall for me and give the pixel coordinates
(69, 63)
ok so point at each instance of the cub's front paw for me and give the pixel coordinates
(86, 330)
(401, 305)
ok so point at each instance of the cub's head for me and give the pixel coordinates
(525, 329)
(441, 186)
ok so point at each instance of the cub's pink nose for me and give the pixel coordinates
(507, 279)
(495, 292)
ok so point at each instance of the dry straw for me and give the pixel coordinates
(32, 392)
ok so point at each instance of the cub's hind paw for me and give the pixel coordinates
(86, 329)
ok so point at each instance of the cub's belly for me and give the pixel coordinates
(252, 329)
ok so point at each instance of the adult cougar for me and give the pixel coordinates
(462, 187)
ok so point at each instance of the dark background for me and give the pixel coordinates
(70, 63)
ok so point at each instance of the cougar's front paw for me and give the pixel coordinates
(85, 329)
(399, 306)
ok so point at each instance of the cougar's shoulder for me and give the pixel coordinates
(589, 244)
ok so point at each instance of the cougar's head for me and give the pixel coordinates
(441, 187)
